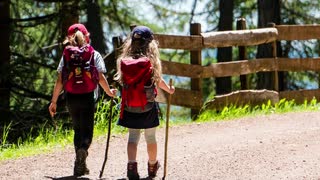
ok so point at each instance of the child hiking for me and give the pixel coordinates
(80, 71)
(139, 73)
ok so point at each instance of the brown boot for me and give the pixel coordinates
(153, 169)
(80, 166)
(132, 171)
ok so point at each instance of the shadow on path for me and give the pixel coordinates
(67, 178)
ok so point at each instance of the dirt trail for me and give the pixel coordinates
(266, 147)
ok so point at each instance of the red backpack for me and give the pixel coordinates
(138, 88)
(79, 73)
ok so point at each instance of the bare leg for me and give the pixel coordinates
(134, 136)
(132, 151)
(152, 152)
(153, 164)
(150, 136)
(132, 166)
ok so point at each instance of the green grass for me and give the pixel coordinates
(233, 112)
(52, 139)
(47, 141)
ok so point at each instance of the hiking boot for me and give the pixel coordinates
(132, 171)
(80, 166)
(153, 169)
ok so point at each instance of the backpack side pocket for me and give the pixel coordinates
(150, 93)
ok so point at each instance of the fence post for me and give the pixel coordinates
(111, 59)
(132, 26)
(195, 58)
(241, 25)
(116, 42)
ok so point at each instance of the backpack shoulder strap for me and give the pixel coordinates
(92, 59)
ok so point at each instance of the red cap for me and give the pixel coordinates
(77, 27)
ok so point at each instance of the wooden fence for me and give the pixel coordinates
(192, 98)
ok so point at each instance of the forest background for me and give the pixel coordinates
(33, 30)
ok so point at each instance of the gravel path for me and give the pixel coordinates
(269, 147)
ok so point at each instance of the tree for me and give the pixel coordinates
(223, 84)
(95, 27)
(5, 30)
(299, 12)
(268, 12)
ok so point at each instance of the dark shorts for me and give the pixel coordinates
(143, 120)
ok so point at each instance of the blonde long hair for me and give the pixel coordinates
(151, 50)
(77, 39)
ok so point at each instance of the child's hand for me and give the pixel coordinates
(171, 90)
(52, 108)
(113, 92)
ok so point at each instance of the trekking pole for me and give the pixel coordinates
(167, 133)
(55, 125)
(108, 139)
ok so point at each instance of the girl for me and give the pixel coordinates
(80, 90)
(141, 45)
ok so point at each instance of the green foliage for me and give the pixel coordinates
(233, 112)
(48, 140)
(103, 116)
(177, 114)
(5, 133)
(32, 63)
(295, 12)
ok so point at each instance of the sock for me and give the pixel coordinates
(152, 162)
(132, 161)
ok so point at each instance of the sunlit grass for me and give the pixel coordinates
(47, 141)
(234, 112)
(58, 137)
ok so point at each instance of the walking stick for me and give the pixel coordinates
(167, 132)
(55, 125)
(108, 139)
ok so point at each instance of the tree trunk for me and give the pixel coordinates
(268, 12)
(223, 85)
(95, 27)
(5, 60)
(70, 15)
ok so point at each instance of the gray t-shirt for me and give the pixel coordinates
(98, 62)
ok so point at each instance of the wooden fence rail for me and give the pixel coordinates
(193, 99)
(236, 68)
(239, 37)
(298, 32)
